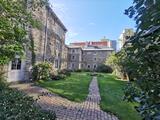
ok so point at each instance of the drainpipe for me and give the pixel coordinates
(45, 41)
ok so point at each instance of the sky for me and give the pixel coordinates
(91, 20)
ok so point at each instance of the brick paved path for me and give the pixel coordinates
(68, 110)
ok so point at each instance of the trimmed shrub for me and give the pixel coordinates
(41, 71)
(104, 69)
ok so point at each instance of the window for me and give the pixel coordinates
(82, 65)
(95, 66)
(73, 51)
(56, 63)
(95, 59)
(16, 64)
(73, 57)
(58, 45)
(72, 65)
(88, 66)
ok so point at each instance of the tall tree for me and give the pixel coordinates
(144, 52)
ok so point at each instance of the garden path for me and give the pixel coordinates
(65, 109)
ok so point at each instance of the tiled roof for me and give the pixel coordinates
(94, 43)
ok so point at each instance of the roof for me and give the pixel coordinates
(100, 49)
(75, 47)
(94, 43)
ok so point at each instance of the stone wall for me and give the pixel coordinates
(75, 58)
(64, 60)
(86, 59)
(46, 42)
(92, 59)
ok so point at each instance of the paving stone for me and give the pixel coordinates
(65, 109)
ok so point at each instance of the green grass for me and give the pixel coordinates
(111, 90)
(74, 87)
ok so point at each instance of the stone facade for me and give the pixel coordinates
(88, 57)
(46, 44)
(125, 35)
(92, 58)
(74, 57)
(64, 60)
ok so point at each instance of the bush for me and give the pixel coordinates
(65, 72)
(17, 106)
(79, 70)
(82, 70)
(61, 74)
(58, 77)
(104, 69)
(41, 71)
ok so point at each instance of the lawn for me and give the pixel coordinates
(74, 87)
(111, 90)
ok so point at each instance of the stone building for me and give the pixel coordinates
(102, 43)
(126, 34)
(46, 44)
(74, 57)
(88, 55)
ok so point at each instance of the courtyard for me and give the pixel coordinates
(83, 96)
(79, 60)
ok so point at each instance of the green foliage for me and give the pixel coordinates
(82, 70)
(65, 72)
(114, 63)
(62, 74)
(104, 69)
(140, 59)
(13, 23)
(58, 77)
(41, 71)
(17, 106)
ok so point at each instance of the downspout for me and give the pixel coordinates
(45, 41)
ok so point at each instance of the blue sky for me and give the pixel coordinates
(88, 20)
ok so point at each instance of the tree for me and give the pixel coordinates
(15, 16)
(113, 62)
(143, 58)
